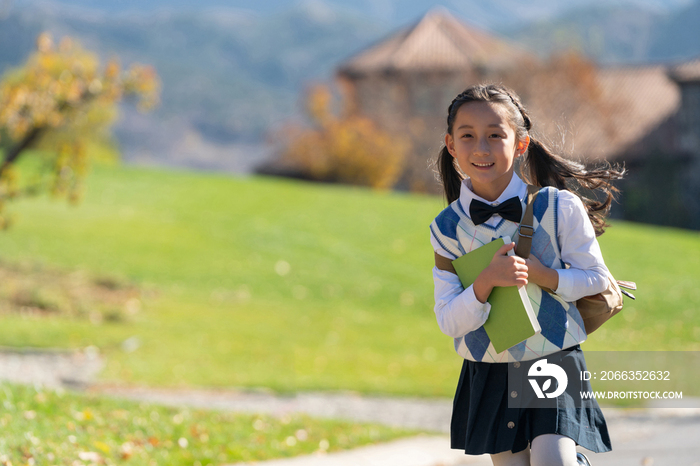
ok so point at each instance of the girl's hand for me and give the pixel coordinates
(504, 270)
(540, 274)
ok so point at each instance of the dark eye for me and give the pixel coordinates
(496, 135)
(466, 135)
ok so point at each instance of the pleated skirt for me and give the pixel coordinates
(482, 422)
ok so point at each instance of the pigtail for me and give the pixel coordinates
(544, 168)
(541, 167)
(450, 177)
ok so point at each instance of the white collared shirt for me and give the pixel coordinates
(458, 311)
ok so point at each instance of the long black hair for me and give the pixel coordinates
(541, 166)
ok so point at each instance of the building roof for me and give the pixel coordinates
(636, 101)
(603, 115)
(438, 42)
(686, 72)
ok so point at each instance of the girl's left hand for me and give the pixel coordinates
(540, 274)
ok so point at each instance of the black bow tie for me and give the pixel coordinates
(511, 210)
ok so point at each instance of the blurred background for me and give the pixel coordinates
(604, 80)
(250, 186)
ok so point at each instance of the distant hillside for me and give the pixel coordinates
(607, 34)
(230, 75)
(500, 15)
(618, 34)
(679, 36)
(18, 31)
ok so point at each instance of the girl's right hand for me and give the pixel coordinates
(504, 270)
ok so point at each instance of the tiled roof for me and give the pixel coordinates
(641, 99)
(438, 42)
(688, 71)
(630, 103)
(620, 107)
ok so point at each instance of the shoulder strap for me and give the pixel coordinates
(526, 229)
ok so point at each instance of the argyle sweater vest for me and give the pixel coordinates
(562, 326)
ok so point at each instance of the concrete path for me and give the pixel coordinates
(644, 437)
(50, 367)
(415, 451)
(426, 414)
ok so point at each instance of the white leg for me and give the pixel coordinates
(507, 458)
(553, 450)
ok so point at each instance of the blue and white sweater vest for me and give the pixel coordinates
(562, 326)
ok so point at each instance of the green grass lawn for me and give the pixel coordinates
(60, 428)
(294, 286)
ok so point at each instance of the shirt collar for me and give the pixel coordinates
(516, 188)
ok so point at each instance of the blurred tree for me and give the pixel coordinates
(61, 102)
(349, 149)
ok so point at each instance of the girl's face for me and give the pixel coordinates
(485, 147)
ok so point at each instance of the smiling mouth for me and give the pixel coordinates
(483, 165)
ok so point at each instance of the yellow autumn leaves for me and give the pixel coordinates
(348, 149)
(61, 100)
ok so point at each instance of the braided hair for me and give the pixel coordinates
(541, 166)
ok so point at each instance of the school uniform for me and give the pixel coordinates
(564, 240)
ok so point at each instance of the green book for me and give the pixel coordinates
(511, 319)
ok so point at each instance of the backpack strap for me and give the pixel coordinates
(443, 263)
(526, 229)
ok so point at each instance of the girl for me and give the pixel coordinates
(488, 129)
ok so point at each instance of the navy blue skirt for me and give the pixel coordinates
(482, 422)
